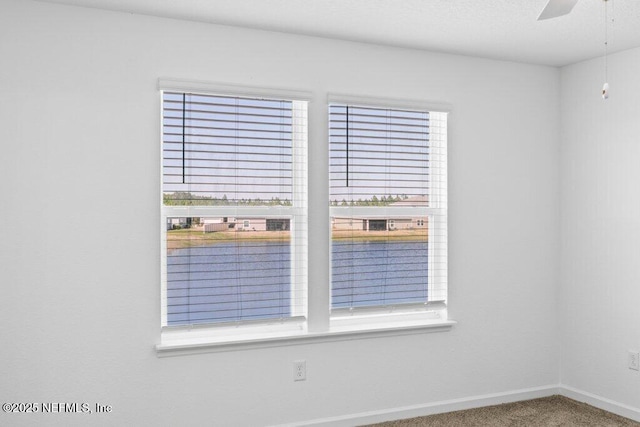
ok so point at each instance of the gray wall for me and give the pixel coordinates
(80, 304)
(599, 312)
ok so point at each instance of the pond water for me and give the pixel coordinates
(378, 273)
(251, 280)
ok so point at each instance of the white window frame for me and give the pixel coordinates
(435, 310)
(212, 333)
(317, 324)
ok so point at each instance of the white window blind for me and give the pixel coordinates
(234, 208)
(388, 205)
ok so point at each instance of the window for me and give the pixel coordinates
(234, 243)
(234, 205)
(388, 207)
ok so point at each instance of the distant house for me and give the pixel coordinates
(218, 224)
(246, 224)
(385, 224)
(278, 224)
(215, 226)
(378, 224)
(251, 224)
(178, 223)
(263, 224)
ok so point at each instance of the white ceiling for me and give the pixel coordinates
(499, 29)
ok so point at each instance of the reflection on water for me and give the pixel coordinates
(228, 282)
(248, 280)
(378, 273)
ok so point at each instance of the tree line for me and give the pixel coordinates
(185, 198)
(374, 201)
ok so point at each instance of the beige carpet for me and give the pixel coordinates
(544, 412)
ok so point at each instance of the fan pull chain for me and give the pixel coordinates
(605, 87)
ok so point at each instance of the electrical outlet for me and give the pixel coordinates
(634, 360)
(299, 370)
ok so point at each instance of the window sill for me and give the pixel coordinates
(343, 332)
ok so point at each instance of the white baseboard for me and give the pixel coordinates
(430, 408)
(600, 402)
(412, 411)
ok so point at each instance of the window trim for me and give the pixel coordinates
(168, 84)
(203, 343)
(297, 213)
(433, 311)
(393, 103)
(319, 325)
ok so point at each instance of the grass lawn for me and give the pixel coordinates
(387, 236)
(186, 238)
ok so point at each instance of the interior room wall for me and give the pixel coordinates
(80, 182)
(600, 229)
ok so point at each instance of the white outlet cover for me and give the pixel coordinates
(299, 370)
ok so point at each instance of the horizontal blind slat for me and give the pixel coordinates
(231, 151)
(382, 158)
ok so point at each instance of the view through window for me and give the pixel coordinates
(234, 208)
(388, 206)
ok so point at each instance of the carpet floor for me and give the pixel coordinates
(544, 412)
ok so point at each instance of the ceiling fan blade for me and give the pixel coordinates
(556, 8)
